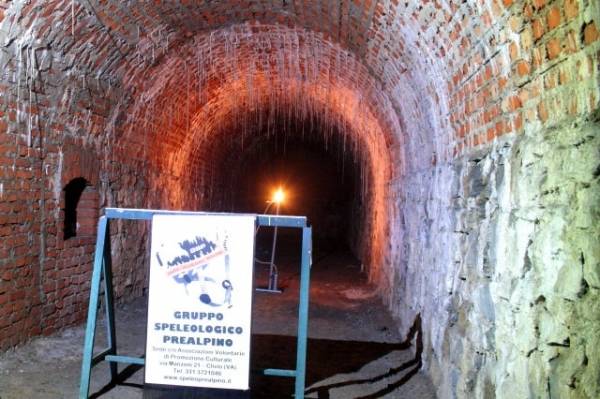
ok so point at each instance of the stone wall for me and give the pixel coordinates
(498, 251)
(496, 246)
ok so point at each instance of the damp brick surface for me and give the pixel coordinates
(474, 125)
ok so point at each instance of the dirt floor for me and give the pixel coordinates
(354, 350)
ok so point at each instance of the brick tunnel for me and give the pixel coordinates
(468, 130)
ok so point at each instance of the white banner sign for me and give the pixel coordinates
(200, 301)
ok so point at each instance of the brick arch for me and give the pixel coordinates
(207, 95)
(125, 46)
(448, 63)
(79, 180)
(80, 209)
(126, 52)
(78, 161)
(456, 88)
(239, 68)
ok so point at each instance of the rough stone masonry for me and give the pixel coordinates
(476, 126)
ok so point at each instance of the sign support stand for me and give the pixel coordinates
(272, 271)
(102, 278)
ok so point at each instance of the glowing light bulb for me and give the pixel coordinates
(278, 196)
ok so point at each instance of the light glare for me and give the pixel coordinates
(278, 196)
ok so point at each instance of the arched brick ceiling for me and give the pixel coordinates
(116, 39)
(376, 31)
(159, 83)
(203, 92)
(428, 58)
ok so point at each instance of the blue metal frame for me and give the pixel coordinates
(102, 276)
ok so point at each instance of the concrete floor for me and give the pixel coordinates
(353, 349)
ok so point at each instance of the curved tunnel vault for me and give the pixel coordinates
(473, 124)
(218, 91)
(323, 179)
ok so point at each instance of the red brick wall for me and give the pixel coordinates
(145, 102)
(543, 70)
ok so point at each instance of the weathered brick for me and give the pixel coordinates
(542, 110)
(571, 44)
(553, 18)
(538, 28)
(571, 9)
(590, 33)
(142, 122)
(523, 68)
(514, 51)
(537, 57)
(553, 48)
